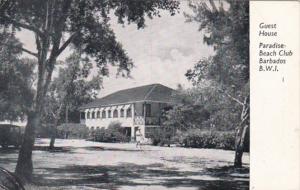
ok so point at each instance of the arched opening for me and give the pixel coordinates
(115, 113)
(122, 113)
(103, 114)
(128, 112)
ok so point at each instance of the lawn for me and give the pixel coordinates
(79, 164)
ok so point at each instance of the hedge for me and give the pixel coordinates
(196, 138)
(113, 133)
(207, 139)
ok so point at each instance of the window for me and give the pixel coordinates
(148, 110)
(122, 113)
(104, 114)
(109, 113)
(93, 115)
(128, 112)
(98, 114)
(88, 115)
(115, 113)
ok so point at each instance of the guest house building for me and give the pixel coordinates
(134, 108)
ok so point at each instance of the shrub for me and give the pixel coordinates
(114, 133)
(161, 136)
(206, 139)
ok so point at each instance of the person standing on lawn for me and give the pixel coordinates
(139, 138)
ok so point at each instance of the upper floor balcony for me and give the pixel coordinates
(141, 120)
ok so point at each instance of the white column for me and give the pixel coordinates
(85, 114)
(143, 128)
(132, 122)
(132, 113)
(86, 118)
(96, 111)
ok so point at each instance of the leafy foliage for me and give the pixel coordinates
(80, 24)
(196, 138)
(70, 89)
(226, 27)
(16, 80)
(223, 77)
(227, 30)
(72, 130)
(85, 22)
(114, 133)
(188, 113)
(162, 136)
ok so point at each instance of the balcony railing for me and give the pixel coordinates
(140, 120)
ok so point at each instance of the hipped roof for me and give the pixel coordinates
(150, 93)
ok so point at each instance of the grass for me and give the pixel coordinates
(77, 164)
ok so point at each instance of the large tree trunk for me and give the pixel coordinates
(241, 134)
(240, 145)
(24, 166)
(54, 130)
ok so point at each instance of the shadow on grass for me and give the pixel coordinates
(9, 150)
(128, 174)
(229, 171)
(7, 161)
(70, 149)
(135, 175)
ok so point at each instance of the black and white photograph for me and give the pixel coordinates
(124, 95)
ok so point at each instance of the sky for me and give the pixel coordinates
(162, 52)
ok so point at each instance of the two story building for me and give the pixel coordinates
(134, 108)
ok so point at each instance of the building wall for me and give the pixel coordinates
(135, 121)
(126, 121)
(156, 108)
(138, 108)
(104, 123)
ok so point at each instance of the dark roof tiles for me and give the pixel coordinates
(152, 92)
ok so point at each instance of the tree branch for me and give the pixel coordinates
(213, 5)
(56, 115)
(38, 44)
(25, 26)
(53, 114)
(234, 99)
(29, 52)
(65, 45)
(22, 49)
(231, 97)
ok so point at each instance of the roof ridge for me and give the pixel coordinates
(150, 91)
(126, 89)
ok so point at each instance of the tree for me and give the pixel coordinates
(82, 24)
(16, 80)
(68, 91)
(226, 27)
(188, 113)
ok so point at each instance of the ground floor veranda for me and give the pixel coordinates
(146, 131)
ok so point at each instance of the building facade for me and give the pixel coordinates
(135, 108)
